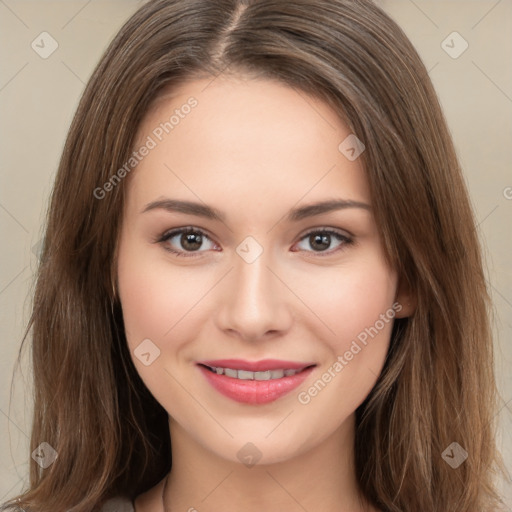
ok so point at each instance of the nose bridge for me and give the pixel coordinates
(252, 285)
(254, 303)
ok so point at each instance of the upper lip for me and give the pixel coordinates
(256, 366)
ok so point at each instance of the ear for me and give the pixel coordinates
(406, 299)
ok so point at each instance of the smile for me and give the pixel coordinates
(248, 375)
(256, 386)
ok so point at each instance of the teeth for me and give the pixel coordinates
(266, 375)
(247, 375)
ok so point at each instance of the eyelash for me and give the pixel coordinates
(171, 234)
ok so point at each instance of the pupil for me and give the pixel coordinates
(188, 241)
(321, 238)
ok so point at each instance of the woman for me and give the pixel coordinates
(261, 286)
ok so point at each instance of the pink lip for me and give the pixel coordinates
(255, 391)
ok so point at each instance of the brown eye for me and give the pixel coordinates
(188, 240)
(321, 240)
(191, 241)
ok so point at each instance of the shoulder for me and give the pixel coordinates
(118, 504)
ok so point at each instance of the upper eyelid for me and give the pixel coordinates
(175, 231)
(170, 233)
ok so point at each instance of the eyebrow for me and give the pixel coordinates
(294, 215)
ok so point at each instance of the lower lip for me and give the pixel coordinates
(254, 391)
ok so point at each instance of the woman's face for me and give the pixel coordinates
(255, 279)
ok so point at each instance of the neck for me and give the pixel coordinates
(321, 479)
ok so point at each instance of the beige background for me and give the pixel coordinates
(38, 98)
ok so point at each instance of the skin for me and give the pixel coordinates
(254, 149)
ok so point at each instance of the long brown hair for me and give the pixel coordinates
(437, 386)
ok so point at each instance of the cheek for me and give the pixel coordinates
(142, 299)
(353, 307)
(152, 298)
(145, 294)
(358, 311)
(156, 305)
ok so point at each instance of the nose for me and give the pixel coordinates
(255, 300)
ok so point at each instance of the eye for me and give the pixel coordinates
(189, 238)
(321, 239)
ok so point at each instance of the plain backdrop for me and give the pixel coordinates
(38, 97)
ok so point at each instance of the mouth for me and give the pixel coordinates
(255, 382)
(234, 373)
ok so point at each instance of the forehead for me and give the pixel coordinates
(250, 142)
